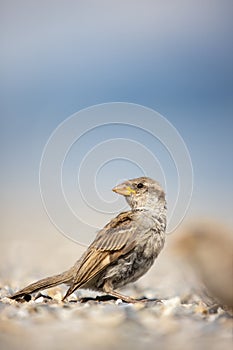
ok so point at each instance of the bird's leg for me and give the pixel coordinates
(109, 290)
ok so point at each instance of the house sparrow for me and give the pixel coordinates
(123, 250)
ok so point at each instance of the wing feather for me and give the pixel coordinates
(115, 239)
(117, 233)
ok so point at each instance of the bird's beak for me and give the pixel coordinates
(124, 189)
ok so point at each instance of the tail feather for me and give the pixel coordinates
(44, 283)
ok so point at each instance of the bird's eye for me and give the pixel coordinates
(140, 185)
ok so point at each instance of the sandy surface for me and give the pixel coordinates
(180, 321)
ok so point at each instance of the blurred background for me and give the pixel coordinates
(58, 57)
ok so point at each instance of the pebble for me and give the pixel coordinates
(104, 324)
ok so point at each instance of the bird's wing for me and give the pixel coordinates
(117, 233)
(116, 239)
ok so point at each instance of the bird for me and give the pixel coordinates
(123, 251)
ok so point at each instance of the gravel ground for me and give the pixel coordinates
(181, 320)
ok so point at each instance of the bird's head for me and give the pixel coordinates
(142, 193)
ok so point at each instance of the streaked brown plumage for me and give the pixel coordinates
(123, 250)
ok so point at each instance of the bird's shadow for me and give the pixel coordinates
(98, 298)
(103, 298)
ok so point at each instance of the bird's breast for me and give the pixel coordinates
(152, 243)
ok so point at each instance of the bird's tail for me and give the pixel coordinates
(48, 282)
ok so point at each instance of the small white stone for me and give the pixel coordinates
(118, 301)
(39, 300)
(170, 305)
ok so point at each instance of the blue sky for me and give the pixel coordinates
(59, 57)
